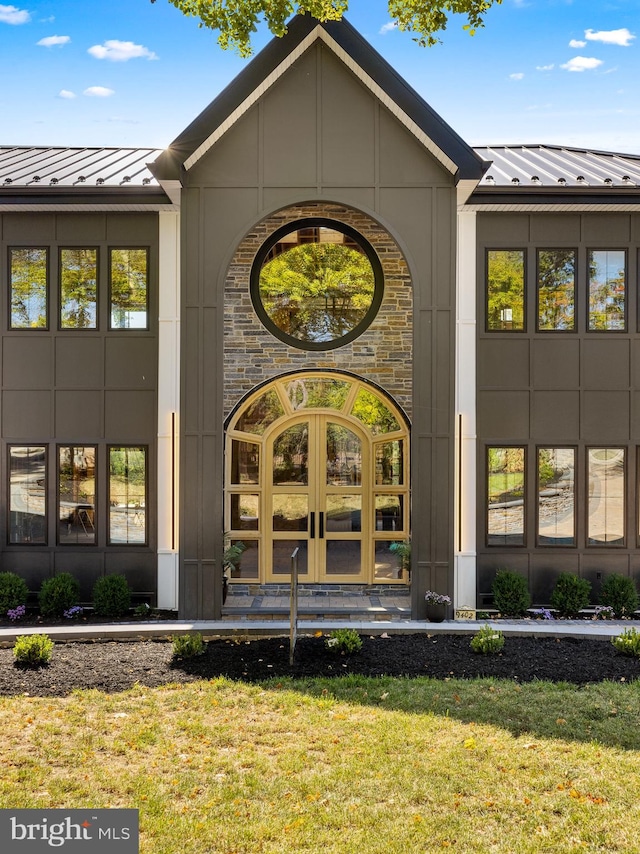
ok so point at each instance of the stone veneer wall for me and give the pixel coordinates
(382, 354)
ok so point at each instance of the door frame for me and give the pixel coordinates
(249, 431)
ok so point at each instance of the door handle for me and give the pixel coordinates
(312, 526)
(321, 525)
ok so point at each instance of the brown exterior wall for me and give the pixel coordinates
(550, 389)
(74, 387)
(317, 136)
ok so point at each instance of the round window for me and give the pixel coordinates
(316, 284)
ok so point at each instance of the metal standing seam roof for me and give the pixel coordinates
(76, 167)
(530, 166)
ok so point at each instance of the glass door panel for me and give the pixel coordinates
(291, 456)
(343, 456)
(343, 558)
(281, 558)
(290, 512)
(343, 513)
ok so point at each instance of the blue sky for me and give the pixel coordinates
(133, 73)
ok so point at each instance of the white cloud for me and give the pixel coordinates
(577, 43)
(545, 67)
(65, 93)
(582, 63)
(98, 92)
(622, 37)
(517, 76)
(388, 28)
(117, 51)
(13, 15)
(51, 41)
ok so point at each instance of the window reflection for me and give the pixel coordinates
(505, 498)
(556, 289)
(127, 495)
(78, 288)
(606, 488)
(27, 494)
(556, 497)
(607, 287)
(291, 456)
(245, 462)
(28, 271)
(244, 512)
(505, 289)
(76, 495)
(344, 456)
(373, 413)
(260, 414)
(316, 284)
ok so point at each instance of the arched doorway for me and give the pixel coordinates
(319, 461)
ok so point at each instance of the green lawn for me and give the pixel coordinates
(369, 766)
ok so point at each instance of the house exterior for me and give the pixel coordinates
(319, 319)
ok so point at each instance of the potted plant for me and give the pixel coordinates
(437, 606)
(402, 550)
(230, 560)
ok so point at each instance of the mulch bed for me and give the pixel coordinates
(117, 665)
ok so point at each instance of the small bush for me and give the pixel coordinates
(33, 650)
(628, 643)
(188, 646)
(511, 593)
(111, 596)
(13, 592)
(619, 592)
(487, 641)
(58, 594)
(345, 641)
(570, 595)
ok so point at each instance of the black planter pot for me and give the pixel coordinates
(436, 613)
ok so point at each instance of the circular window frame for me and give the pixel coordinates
(317, 222)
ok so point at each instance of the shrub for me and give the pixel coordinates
(344, 641)
(570, 594)
(13, 591)
(628, 643)
(111, 596)
(619, 592)
(188, 646)
(511, 593)
(33, 650)
(58, 594)
(487, 641)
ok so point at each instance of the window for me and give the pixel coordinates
(127, 495)
(28, 272)
(316, 284)
(27, 494)
(556, 497)
(607, 289)
(76, 495)
(556, 289)
(505, 496)
(128, 288)
(78, 288)
(505, 290)
(606, 491)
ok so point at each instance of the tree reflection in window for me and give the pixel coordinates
(318, 285)
(78, 288)
(556, 289)
(129, 288)
(28, 271)
(607, 290)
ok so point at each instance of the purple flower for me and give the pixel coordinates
(17, 613)
(75, 611)
(545, 613)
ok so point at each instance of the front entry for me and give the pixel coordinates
(318, 500)
(318, 461)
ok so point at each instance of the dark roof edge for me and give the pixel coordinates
(169, 164)
(84, 196)
(535, 196)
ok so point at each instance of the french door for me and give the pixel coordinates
(317, 498)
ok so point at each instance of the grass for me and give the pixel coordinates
(374, 766)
